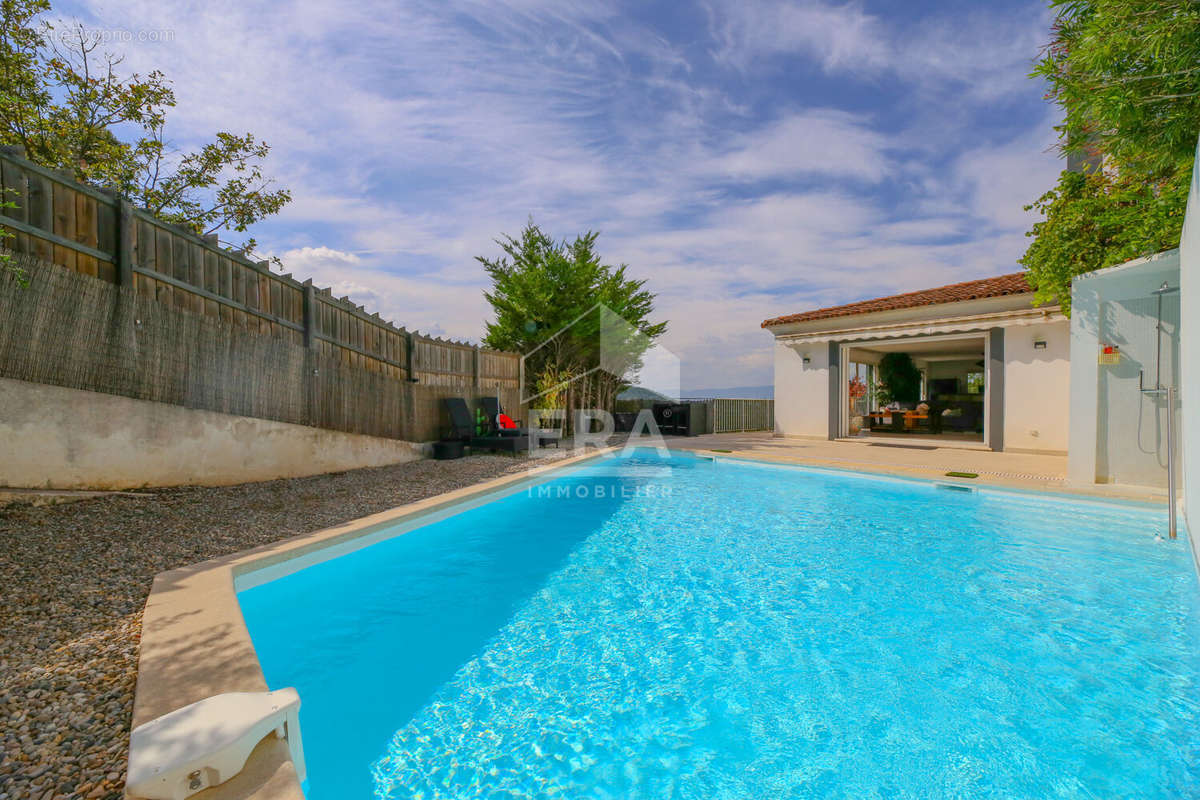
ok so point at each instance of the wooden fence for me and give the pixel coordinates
(105, 239)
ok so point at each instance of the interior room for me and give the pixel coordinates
(939, 389)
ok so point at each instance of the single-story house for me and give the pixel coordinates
(994, 369)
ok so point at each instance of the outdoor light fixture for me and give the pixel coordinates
(1039, 344)
(807, 359)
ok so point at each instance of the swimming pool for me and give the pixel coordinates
(644, 627)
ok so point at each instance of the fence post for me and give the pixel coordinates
(475, 367)
(410, 357)
(310, 314)
(124, 254)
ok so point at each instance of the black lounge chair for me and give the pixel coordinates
(491, 409)
(462, 429)
(504, 444)
(462, 422)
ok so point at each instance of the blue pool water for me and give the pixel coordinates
(688, 629)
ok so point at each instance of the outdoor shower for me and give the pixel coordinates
(1169, 391)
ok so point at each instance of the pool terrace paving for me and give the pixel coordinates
(917, 458)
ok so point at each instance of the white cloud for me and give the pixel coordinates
(418, 302)
(1002, 179)
(306, 259)
(818, 141)
(978, 55)
(414, 134)
(838, 36)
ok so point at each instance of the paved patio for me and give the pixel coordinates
(916, 458)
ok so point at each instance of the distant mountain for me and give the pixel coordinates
(639, 393)
(741, 392)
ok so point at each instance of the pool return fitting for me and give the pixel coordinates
(208, 742)
(1169, 391)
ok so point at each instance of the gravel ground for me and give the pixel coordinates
(74, 579)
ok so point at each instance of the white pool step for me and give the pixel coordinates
(208, 742)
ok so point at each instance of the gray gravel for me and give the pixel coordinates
(74, 579)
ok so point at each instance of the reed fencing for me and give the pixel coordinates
(149, 310)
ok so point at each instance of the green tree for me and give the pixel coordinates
(899, 378)
(1099, 219)
(7, 265)
(544, 295)
(1127, 75)
(64, 101)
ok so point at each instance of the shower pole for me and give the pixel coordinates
(1169, 391)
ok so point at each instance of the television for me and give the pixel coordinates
(942, 386)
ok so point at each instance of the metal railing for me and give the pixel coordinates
(737, 415)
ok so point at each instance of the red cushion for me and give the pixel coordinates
(506, 422)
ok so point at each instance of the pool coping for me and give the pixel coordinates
(195, 643)
(980, 484)
(1036, 485)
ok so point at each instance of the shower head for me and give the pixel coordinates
(1165, 289)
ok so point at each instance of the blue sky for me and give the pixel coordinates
(748, 158)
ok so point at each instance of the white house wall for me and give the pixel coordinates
(1085, 376)
(1037, 387)
(1118, 434)
(802, 391)
(1189, 281)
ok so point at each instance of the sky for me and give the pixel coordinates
(747, 158)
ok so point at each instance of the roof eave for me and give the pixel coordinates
(930, 312)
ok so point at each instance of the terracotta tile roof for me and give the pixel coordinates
(954, 293)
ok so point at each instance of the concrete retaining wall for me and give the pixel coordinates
(58, 438)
